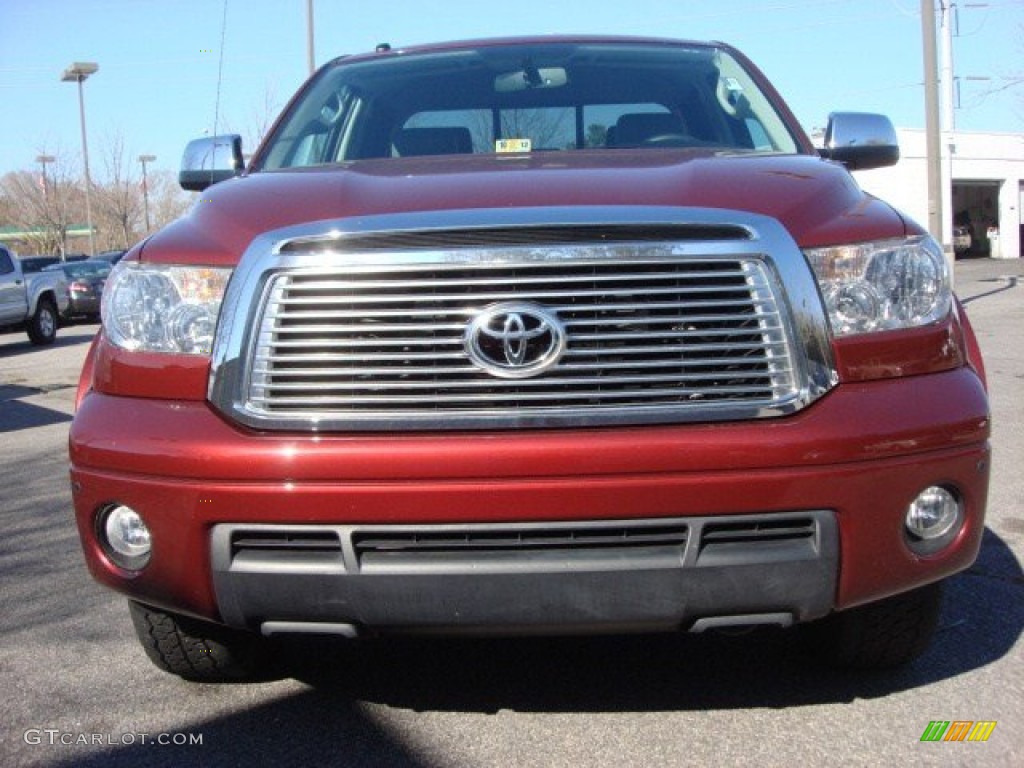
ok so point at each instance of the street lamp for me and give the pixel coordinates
(43, 160)
(78, 72)
(145, 185)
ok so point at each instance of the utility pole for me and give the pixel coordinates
(145, 186)
(311, 59)
(948, 126)
(931, 111)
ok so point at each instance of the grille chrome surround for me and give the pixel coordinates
(365, 328)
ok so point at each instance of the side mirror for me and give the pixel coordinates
(209, 160)
(860, 140)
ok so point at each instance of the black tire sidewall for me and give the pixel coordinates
(39, 330)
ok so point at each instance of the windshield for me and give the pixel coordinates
(528, 98)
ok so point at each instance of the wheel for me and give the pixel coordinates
(879, 635)
(42, 327)
(197, 650)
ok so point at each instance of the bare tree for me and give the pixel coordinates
(261, 118)
(167, 200)
(597, 135)
(45, 209)
(547, 128)
(119, 197)
(42, 204)
(1010, 81)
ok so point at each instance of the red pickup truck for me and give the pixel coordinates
(553, 335)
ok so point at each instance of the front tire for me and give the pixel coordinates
(880, 635)
(42, 326)
(197, 650)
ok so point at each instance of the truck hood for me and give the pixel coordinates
(818, 202)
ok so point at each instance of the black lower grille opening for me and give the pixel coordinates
(518, 540)
(758, 531)
(284, 541)
(732, 543)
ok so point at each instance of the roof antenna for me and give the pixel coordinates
(220, 66)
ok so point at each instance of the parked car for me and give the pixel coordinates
(533, 335)
(28, 301)
(112, 257)
(32, 264)
(962, 240)
(85, 281)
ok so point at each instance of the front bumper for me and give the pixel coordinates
(851, 463)
(539, 577)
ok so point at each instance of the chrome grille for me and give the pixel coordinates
(342, 336)
(648, 333)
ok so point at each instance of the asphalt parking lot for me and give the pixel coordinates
(78, 689)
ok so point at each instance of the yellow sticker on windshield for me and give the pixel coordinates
(502, 146)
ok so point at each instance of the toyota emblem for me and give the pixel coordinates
(515, 340)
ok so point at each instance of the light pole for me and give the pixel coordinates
(78, 72)
(43, 160)
(145, 185)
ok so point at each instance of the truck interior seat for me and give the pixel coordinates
(634, 128)
(446, 140)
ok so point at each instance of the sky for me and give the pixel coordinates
(158, 87)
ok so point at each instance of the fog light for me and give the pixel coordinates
(125, 536)
(933, 519)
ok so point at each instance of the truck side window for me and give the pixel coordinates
(6, 265)
(758, 136)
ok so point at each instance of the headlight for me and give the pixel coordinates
(156, 308)
(882, 286)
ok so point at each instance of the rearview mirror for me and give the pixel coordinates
(530, 77)
(209, 160)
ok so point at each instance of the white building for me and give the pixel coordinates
(988, 187)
